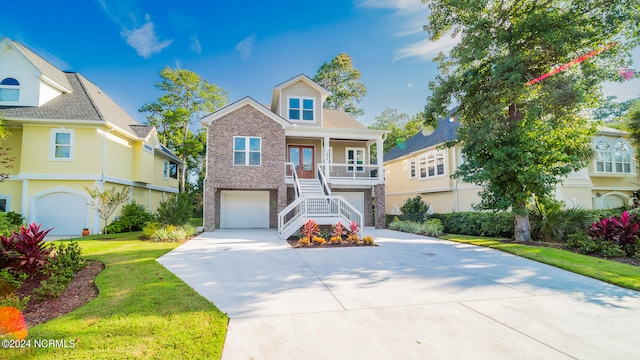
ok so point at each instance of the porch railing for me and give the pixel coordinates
(325, 210)
(353, 171)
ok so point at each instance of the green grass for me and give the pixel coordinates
(143, 311)
(624, 275)
(196, 221)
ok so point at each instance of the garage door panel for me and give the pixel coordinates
(65, 212)
(244, 209)
(356, 199)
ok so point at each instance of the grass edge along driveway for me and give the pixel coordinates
(143, 311)
(616, 273)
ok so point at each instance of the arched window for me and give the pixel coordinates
(604, 161)
(9, 90)
(622, 157)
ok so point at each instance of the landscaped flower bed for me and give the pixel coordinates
(311, 235)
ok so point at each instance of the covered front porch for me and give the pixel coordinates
(340, 160)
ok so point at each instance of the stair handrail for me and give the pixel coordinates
(294, 175)
(337, 206)
(323, 181)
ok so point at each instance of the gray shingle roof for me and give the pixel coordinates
(446, 131)
(42, 65)
(142, 130)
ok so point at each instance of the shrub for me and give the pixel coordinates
(611, 250)
(66, 260)
(14, 301)
(415, 209)
(10, 222)
(582, 243)
(133, 218)
(335, 239)
(304, 241)
(33, 252)
(13, 280)
(433, 227)
(498, 224)
(549, 221)
(353, 238)
(354, 228)
(52, 287)
(175, 211)
(310, 229)
(622, 231)
(368, 240)
(338, 230)
(319, 240)
(163, 232)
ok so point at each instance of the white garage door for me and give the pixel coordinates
(244, 209)
(65, 212)
(356, 199)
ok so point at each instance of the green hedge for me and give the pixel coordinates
(498, 224)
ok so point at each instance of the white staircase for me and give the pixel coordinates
(310, 187)
(315, 202)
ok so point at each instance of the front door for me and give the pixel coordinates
(302, 158)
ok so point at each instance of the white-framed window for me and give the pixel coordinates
(4, 203)
(246, 151)
(412, 169)
(165, 170)
(431, 164)
(301, 109)
(614, 159)
(61, 144)
(10, 90)
(355, 156)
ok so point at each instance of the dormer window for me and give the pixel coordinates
(301, 109)
(9, 90)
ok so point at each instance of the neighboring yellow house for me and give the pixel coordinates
(422, 167)
(66, 134)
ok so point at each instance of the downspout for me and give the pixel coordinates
(455, 180)
(204, 184)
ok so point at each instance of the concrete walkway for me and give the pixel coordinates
(412, 297)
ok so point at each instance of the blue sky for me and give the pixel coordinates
(245, 47)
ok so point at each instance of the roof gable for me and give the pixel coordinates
(277, 90)
(207, 120)
(50, 74)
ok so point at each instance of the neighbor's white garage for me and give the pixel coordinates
(244, 209)
(67, 213)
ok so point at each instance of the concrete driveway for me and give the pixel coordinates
(412, 297)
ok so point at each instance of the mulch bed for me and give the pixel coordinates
(80, 291)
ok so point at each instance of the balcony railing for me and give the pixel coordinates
(352, 171)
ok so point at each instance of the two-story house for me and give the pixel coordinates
(423, 167)
(67, 135)
(277, 166)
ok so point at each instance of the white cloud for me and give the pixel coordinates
(409, 85)
(142, 38)
(402, 6)
(245, 47)
(196, 47)
(426, 49)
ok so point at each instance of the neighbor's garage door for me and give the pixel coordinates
(65, 212)
(244, 209)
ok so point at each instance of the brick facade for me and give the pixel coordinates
(223, 175)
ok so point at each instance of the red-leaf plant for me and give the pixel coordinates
(33, 251)
(622, 231)
(338, 230)
(354, 227)
(7, 250)
(309, 229)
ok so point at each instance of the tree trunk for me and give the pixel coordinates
(522, 231)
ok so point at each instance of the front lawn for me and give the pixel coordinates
(624, 275)
(143, 311)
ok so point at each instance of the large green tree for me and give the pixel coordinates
(401, 126)
(631, 121)
(186, 98)
(343, 81)
(520, 140)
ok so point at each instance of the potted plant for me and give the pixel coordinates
(85, 232)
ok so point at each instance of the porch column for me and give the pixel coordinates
(379, 157)
(326, 159)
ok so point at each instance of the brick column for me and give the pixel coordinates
(210, 209)
(378, 194)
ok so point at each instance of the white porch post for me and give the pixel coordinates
(379, 157)
(326, 158)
